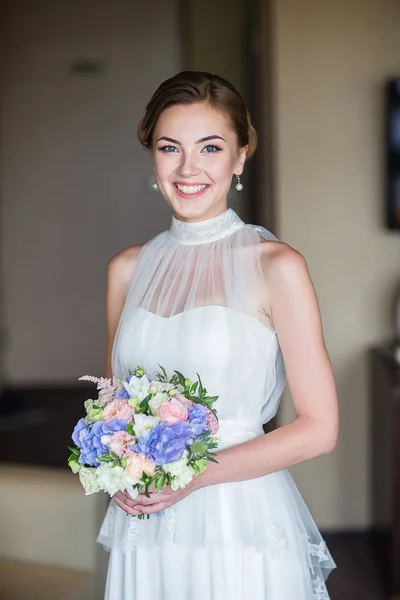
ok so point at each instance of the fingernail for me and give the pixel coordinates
(137, 508)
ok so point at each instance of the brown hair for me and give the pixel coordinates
(189, 87)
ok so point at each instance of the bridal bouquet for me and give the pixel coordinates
(141, 432)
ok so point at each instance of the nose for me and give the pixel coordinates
(188, 166)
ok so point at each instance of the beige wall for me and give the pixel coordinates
(75, 182)
(331, 60)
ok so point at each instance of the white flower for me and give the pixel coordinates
(137, 387)
(105, 439)
(156, 401)
(88, 479)
(114, 479)
(159, 386)
(143, 424)
(181, 472)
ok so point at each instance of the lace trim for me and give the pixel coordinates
(167, 527)
(273, 533)
(319, 589)
(131, 535)
(319, 550)
(209, 230)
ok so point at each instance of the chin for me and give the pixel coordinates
(196, 211)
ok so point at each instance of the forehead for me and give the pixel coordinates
(193, 121)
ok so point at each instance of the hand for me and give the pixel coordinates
(157, 502)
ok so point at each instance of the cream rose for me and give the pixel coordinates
(137, 464)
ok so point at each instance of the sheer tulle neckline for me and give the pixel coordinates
(209, 230)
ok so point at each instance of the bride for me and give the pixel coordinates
(228, 300)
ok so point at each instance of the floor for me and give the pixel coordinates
(21, 581)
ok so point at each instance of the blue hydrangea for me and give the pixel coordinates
(166, 443)
(88, 439)
(197, 419)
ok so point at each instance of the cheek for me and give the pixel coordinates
(221, 168)
(164, 165)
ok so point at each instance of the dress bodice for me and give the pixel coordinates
(237, 357)
(193, 306)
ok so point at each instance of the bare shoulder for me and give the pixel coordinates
(122, 265)
(280, 261)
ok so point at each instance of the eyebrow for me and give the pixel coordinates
(201, 141)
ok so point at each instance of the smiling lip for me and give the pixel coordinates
(192, 186)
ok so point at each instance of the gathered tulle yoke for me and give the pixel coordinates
(194, 306)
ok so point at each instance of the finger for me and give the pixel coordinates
(128, 509)
(153, 508)
(120, 496)
(142, 499)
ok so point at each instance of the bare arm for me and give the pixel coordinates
(314, 431)
(119, 275)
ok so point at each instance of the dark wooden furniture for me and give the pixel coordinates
(385, 430)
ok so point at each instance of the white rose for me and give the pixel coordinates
(143, 424)
(137, 387)
(88, 479)
(114, 479)
(181, 472)
(156, 401)
(159, 386)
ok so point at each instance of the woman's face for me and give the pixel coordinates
(195, 155)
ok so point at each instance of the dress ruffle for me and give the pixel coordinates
(266, 516)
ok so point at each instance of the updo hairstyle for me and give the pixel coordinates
(190, 87)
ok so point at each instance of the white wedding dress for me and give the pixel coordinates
(193, 305)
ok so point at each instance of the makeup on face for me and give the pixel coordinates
(195, 157)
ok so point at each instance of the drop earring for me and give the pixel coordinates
(239, 186)
(154, 186)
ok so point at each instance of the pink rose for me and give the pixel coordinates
(183, 400)
(137, 464)
(118, 409)
(172, 412)
(121, 443)
(212, 422)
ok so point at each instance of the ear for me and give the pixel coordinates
(241, 161)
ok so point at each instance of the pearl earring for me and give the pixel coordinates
(154, 186)
(239, 186)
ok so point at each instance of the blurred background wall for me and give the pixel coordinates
(331, 61)
(75, 182)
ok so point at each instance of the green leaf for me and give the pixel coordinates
(130, 429)
(200, 385)
(144, 405)
(163, 376)
(181, 378)
(106, 458)
(74, 451)
(194, 387)
(210, 399)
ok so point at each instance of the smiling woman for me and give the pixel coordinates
(188, 167)
(180, 122)
(218, 297)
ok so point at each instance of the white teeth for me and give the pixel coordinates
(190, 189)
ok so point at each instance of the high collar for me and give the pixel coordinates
(209, 230)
